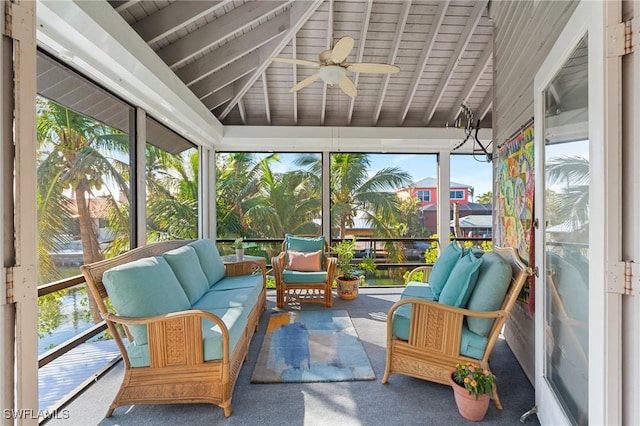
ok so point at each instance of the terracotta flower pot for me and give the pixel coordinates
(347, 289)
(469, 407)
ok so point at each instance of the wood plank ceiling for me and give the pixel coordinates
(222, 49)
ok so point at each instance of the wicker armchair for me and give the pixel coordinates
(294, 287)
(435, 332)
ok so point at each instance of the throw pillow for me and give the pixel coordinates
(443, 267)
(461, 281)
(494, 277)
(304, 261)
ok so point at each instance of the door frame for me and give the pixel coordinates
(604, 399)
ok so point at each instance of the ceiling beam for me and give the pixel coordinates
(485, 106)
(122, 5)
(463, 41)
(243, 112)
(363, 37)
(422, 62)
(397, 38)
(218, 98)
(265, 91)
(225, 76)
(472, 81)
(174, 17)
(216, 31)
(300, 14)
(235, 49)
(328, 43)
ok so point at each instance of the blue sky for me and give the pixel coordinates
(464, 168)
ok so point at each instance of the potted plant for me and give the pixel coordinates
(346, 281)
(472, 388)
(238, 244)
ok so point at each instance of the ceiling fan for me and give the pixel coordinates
(333, 68)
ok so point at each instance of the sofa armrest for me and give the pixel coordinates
(426, 272)
(174, 333)
(430, 319)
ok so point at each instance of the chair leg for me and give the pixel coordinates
(496, 398)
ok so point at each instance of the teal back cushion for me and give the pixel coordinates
(443, 267)
(304, 243)
(144, 287)
(493, 282)
(185, 264)
(460, 284)
(210, 260)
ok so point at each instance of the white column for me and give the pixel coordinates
(444, 213)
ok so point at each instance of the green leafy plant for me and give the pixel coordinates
(238, 243)
(345, 250)
(474, 379)
(368, 265)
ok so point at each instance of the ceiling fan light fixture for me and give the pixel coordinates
(331, 74)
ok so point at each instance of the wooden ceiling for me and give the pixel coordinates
(222, 51)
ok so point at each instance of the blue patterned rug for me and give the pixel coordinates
(312, 346)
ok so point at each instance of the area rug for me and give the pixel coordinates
(311, 346)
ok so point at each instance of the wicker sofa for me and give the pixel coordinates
(188, 322)
(454, 318)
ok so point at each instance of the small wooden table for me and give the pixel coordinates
(245, 266)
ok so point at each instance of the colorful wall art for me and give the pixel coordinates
(515, 195)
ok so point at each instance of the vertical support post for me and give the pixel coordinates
(444, 208)
(138, 163)
(7, 308)
(24, 271)
(326, 195)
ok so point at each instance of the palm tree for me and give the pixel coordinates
(288, 203)
(172, 194)
(571, 200)
(486, 198)
(79, 154)
(354, 191)
(238, 183)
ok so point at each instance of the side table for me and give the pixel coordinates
(248, 264)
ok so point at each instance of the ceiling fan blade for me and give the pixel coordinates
(304, 83)
(296, 61)
(371, 68)
(348, 87)
(341, 50)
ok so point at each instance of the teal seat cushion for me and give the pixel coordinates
(240, 281)
(471, 344)
(418, 289)
(245, 298)
(234, 318)
(185, 264)
(144, 287)
(443, 267)
(491, 287)
(460, 284)
(210, 260)
(296, 277)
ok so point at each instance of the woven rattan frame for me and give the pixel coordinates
(297, 293)
(433, 348)
(177, 372)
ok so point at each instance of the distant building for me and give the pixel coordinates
(426, 190)
(472, 210)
